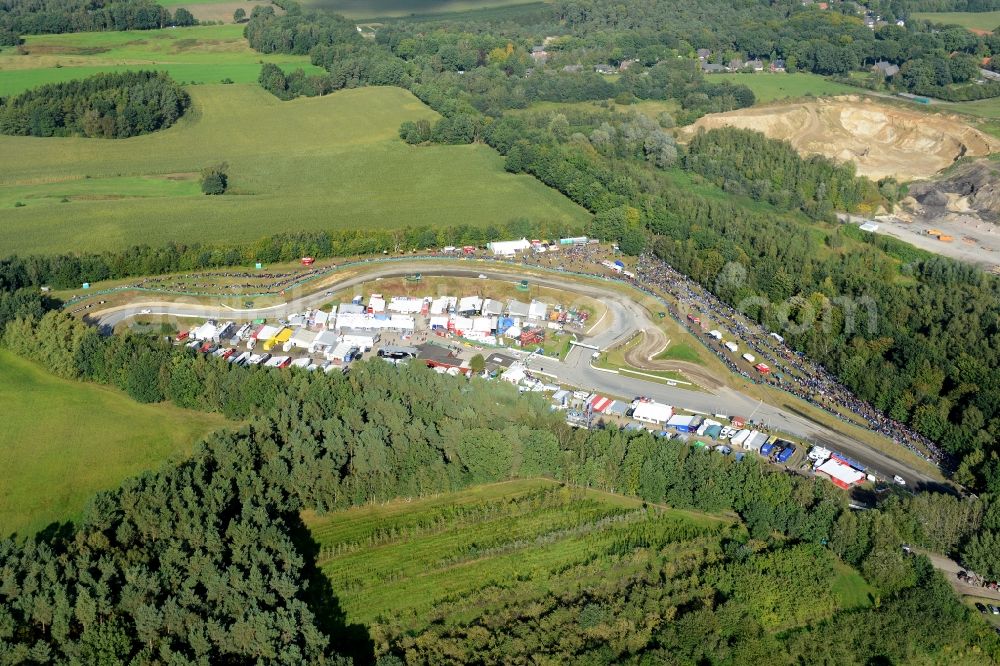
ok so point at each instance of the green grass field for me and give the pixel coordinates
(387, 8)
(976, 21)
(680, 351)
(988, 109)
(201, 54)
(63, 440)
(318, 163)
(772, 87)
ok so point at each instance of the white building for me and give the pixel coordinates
(653, 412)
(439, 321)
(340, 352)
(376, 303)
(508, 248)
(363, 340)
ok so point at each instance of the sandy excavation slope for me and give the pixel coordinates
(881, 140)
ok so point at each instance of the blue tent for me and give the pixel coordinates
(619, 263)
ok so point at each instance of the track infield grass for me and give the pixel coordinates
(64, 440)
(320, 163)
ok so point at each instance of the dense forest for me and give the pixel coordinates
(107, 106)
(31, 17)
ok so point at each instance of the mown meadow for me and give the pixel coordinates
(62, 441)
(330, 162)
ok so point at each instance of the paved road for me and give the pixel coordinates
(625, 315)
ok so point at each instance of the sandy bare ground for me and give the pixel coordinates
(975, 241)
(881, 140)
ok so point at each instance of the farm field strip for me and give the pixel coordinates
(417, 555)
(200, 54)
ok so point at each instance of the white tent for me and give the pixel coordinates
(406, 305)
(843, 475)
(303, 338)
(463, 324)
(402, 323)
(267, 332)
(207, 331)
(360, 339)
(513, 332)
(340, 352)
(484, 324)
(441, 305)
(741, 436)
(755, 441)
(652, 412)
(514, 374)
(492, 308)
(376, 304)
(440, 321)
(508, 248)
(537, 310)
(517, 309)
(470, 304)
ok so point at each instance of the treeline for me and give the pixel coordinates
(296, 31)
(70, 270)
(207, 561)
(108, 106)
(30, 17)
(916, 362)
(745, 162)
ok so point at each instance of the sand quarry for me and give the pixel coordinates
(881, 140)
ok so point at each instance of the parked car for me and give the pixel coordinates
(995, 609)
(981, 608)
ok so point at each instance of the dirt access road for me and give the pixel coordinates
(950, 568)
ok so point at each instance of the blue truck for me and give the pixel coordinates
(786, 454)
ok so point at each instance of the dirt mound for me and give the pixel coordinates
(881, 140)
